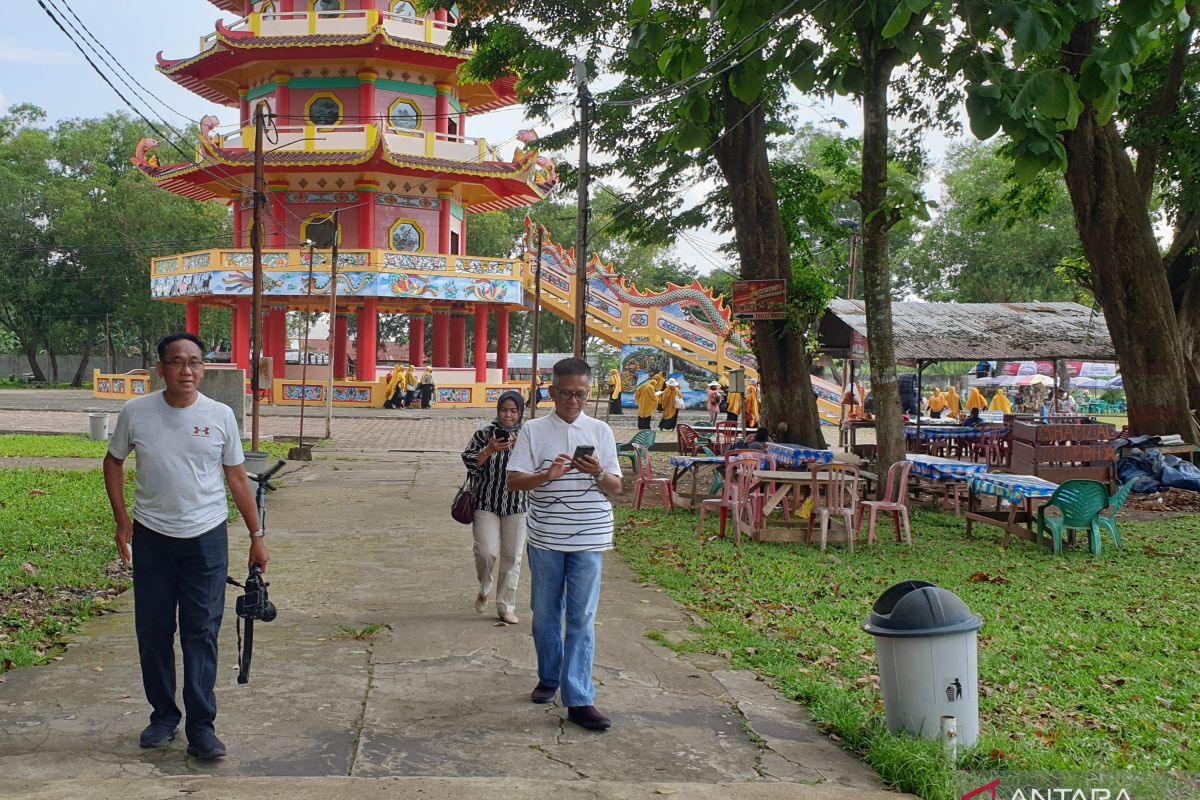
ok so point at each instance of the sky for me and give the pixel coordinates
(39, 65)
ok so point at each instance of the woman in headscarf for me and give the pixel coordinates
(953, 403)
(713, 402)
(671, 399)
(426, 387)
(1000, 402)
(752, 406)
(393, 392)
(660, 383)
(646, 397)
(937, 403)
(410, 385)
(498, 530)
(975, 400)
(733, 405)
(614, 392)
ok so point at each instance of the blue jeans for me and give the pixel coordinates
(186, 576)
(565, 582)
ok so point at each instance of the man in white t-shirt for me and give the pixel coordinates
(188, 448)
(570, 525)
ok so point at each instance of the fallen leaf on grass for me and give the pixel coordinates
(983, 577)
(36, 492)
(30, 568)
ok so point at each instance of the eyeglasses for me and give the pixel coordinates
(178, 364)
(576, 396)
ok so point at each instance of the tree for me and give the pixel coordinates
(993, 241)
(1054, 77)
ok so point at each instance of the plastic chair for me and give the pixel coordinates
(644, 437)
(834, 492)
(725, 436)
(988, 448)
(729, 489)
(691, 442)
(1080, 503)
(645, 477)
(1115, 504)
(894, 502)
(746, 501)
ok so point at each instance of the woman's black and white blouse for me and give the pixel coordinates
(488, 482)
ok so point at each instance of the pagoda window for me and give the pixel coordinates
(406, 235)
(454, 240)
(452, 126)
(324, 110)
(327, 6)
(319, 230)
(403, 8)
(404, 115)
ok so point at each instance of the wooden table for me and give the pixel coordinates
(1023, 493)
(692, 464)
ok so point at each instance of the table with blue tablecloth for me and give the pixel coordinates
(1022, 493)
(945, 432)
(797, 456)
(695, 465)
(949, 475)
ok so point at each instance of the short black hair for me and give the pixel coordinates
(572, 366)
(167, 341)
(761, 435)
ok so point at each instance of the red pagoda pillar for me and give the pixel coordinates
(193, 318)
(441, 337)
(243, 107)
(444, 221)
(241, 339)
(502, 342)
(481, 339)
(416, 340)
(365, 353)
(274, 217)
(341, 331)
(277, 347)
(366, 213)
(458, 338)
(366, 98)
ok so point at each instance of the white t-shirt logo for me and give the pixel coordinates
(196, 431)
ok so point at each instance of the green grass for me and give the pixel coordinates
(56, 558)
(6, 383)
(367, 633)
(1084, 663)
(79, 446)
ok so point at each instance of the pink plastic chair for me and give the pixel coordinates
(729, 488)
(725, 436)
(747, 499)
(895, 498)
(645, 477)
(834, 493)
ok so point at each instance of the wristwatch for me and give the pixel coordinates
(258, 534)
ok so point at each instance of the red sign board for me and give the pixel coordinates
(760, 299)
(858, 346)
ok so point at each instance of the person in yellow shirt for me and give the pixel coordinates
(393, 392)
(937, 404)
(660, 382)
(614, 392)
(410, 385)
(953, 403)
(646, 398)
(671, 399)
(975, 400)
(1000, 402)
(752, 403)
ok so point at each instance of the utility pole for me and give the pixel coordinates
(333, 267)
(256, 250)
(537, 324)
(581, 223)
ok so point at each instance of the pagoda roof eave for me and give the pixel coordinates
(232, 50)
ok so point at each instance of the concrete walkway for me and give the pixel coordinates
(436, 705)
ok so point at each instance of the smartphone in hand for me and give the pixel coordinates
(583, 451)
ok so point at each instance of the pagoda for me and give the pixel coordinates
(368, 116)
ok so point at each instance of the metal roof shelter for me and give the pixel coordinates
(924, 333)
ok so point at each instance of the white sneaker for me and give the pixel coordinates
(480, 603)
(507, 616)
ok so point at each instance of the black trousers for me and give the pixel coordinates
(184, 577)
(614, 406)
(643, 423)
(426, 390)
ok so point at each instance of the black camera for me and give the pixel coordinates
(253, 604)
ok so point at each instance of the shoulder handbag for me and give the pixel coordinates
(679, 404)
(463, 506)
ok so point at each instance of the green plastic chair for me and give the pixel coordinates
(645, 438)
(1080, 503)
(1115, 504)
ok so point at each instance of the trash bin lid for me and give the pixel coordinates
(919, 609)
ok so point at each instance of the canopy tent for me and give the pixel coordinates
(1090, 383)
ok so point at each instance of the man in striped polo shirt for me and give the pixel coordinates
(570, 525)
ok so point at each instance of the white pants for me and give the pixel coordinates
(500, 539)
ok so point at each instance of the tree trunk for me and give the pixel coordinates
(29, 348)
(1131, 284)
(877, 285)
(80, 371)
(790, 405)
(1186, 294)
(53, 360)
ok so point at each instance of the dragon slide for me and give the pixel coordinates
(691, 323)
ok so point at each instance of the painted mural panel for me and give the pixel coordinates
(436, 287)
(454, 395)
(407, 261)
(483, 266)
(291, 283)
(352, 394)
(189, 285)
(291, 391)
(681, 332)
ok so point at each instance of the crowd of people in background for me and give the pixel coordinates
(1028, 399)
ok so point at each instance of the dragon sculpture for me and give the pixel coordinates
(711, 307)
(144, 156)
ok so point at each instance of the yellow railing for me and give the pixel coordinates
(292, 259)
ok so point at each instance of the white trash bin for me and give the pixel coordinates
(98, 426)
(925, 644)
